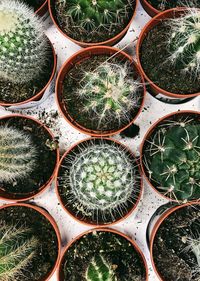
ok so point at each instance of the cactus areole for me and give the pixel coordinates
(170, 156)
(99, 181)
(102, 255)
(101, 19)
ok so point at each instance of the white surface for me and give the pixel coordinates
(133, 226)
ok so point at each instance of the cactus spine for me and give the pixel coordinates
(23, 44)
(172, 158)
(109, 93)
(17, 154)
(17, 250)
(98, 18)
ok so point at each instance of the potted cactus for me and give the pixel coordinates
(103, 254)
(168, 53)
(40, 6)
(153, 7)
(170, 156)
(29, 156)
(106, 22)
(26, 253)
(175, 243)
(100, 91)
(99, 181)
(27, 58)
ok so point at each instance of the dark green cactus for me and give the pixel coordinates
(17, 250)
(163, 5)
(172, 159)
(96, 17)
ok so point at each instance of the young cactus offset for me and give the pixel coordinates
(102, 182)
(173, 155)
(109, 94)
(23, 44)
(17, 154)
(98, 18)
(17, 250)
(184, 41)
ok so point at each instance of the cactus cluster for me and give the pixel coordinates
(100, 270)
(17, 154)
(163, 5)
(98, 18)
(108, 93)
(17, 250)
(101, 182)
(184, 42)
(23, 44)
(172, 158)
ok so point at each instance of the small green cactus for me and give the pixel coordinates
(109, 93)
(100, 270)
(98, 18)
(172, 159)
(17, 250)
(184, 42)
(23, 44)
(102, 180)
(17, 154)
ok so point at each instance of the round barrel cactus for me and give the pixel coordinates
(184, 41)
(99, 181)
(172, 158)
(23, 44)
(98, 18)
(17, 250)
(17, 154)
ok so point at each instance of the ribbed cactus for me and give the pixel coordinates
(184, 41)
(102, 180)
(168, 4)
(100, 270)
(17, 154)
(109, 93)
(98, 18)
(23, 44)
(17, 250)
(173, 159)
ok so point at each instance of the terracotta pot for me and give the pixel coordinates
(151, 11)
(60, 272)
(77, 58)
(38, 95)
(41, 11)
(155, 90)
(89, 222)
(109, 42)
(22, 197)
(50, 219)
(157, 225)
(149, 132)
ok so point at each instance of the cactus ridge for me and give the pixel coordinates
(173, 161)
(96, 17)
(100, 270)
(17, 154)
(101, 179)
(184, 42)
(23, 44)
(17, 250)
(109, 94)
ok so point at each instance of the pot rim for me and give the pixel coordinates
(39, 94)
(105, 229)
(158, 224)
(52, 221)
(149, 131)
(91, 223)
(48, 183)
(40, 9)
(110, 41)
(160, 16)
(91, 51)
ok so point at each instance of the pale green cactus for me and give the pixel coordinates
(23, 44)
(17, 154)
(17, 250)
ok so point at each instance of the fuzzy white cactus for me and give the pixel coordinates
(23, 44)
